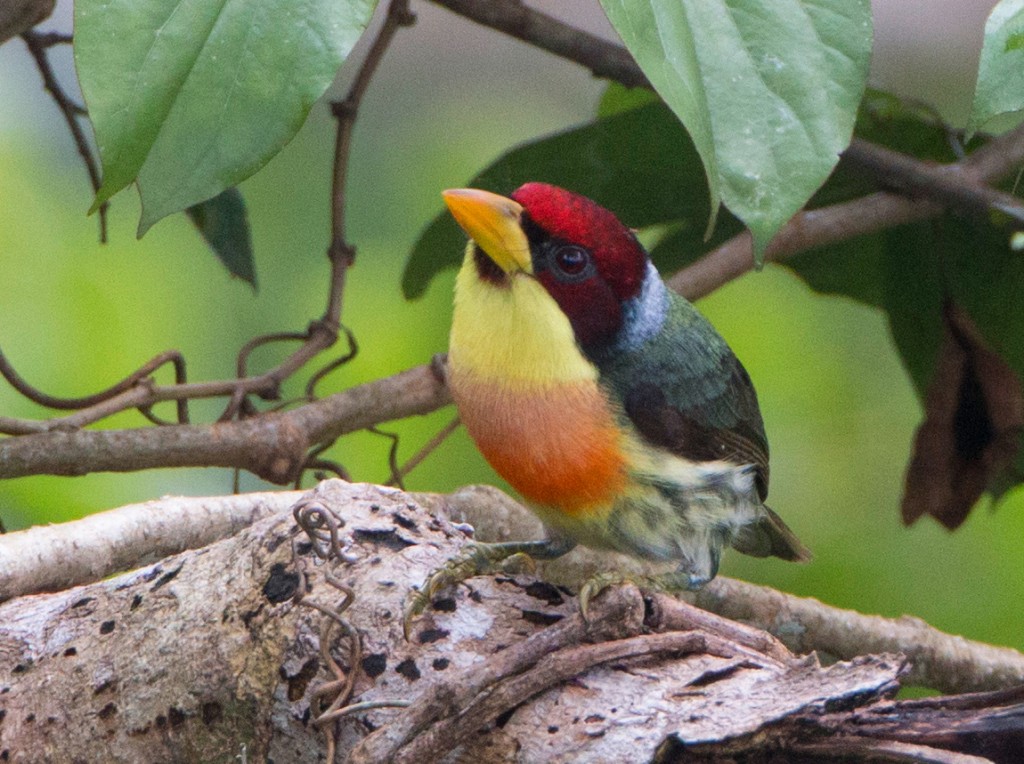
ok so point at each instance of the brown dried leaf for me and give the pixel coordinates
(974, 416)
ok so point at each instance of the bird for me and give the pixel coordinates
(605, 399)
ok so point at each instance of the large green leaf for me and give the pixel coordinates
(189, 97)
(768, 91)
(640, 163)
(1000, 86)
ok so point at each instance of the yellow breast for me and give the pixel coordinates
(529, 398)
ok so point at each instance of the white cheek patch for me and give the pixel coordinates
(644, 315)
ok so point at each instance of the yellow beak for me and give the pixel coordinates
(493, 222)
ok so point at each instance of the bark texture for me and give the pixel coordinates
(241, 648)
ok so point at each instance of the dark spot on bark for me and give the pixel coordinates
(21, 668)
(30, 718)
(107, 711)
(444, 605)
(714, 675)
(386, 584)
(176, 717)
(70, 651)
(476, 596)
(299, 681)
(106, 627)
(5, 755)
(544, 591)
(274, 542)
(386, 537)
(408, 669)
(499, 647)
(160, 722)
(432, 635)
(306, 716)
(504, 717)
(212, 713)
(541, 619)
(3, 713)
(304, 547)
(593, 718)
(281, 585)
(248, 616)
(406, 522)
(440, 664)
(374, 665)
(103, 686)
(83, 602)
(552, 729)
(375, 507)
(166, 578)
(136, 601)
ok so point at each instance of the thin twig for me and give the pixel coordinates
(273, 446)
(35, 395)
(396, 477)
(428, 448)
(37, 46)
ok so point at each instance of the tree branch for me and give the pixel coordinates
(37, 45)
(272, 445)
(235, 645)
(109, 542)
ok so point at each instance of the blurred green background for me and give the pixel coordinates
(76, 316)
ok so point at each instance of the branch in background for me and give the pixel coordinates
(106, 543)
(273, 445)
(931, 189)
(138, 389)
(37, 45)
(940, 661)
(225, 444)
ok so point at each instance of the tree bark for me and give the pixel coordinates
(248, 647)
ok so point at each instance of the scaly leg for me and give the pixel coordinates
(677, 581)
(477, 560)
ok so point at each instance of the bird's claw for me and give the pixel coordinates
(473, 560)
(676, 581)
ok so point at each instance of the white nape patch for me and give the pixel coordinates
(644, 315)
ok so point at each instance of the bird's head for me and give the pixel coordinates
(590, 263)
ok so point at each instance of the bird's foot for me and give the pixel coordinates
(478, 559)
(676, 581)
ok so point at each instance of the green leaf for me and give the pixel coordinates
(768, 91)
(1000, 86)
(910, 271)
(640, 164)
(223, 224)
(618, 98)
(189, 97)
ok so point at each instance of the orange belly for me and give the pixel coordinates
(556, 445)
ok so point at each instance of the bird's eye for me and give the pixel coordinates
(571, 260)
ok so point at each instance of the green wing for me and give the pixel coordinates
(686, 392)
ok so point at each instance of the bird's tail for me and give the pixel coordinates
(768, 535)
